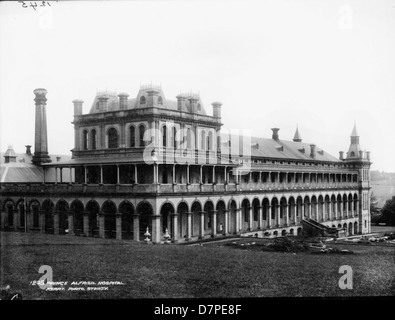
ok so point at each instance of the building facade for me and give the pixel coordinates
(149, 163)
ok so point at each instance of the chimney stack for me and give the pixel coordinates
(103, 103)
(58, 159)
(361, 154)
(152, 96)
(28, 151)
(368, 155)
(78, 107)
(193, 104)
(217, 109)
(180, 102)
(312, 151)
(41, 141)
(341, 155)
(10, 155)
(275, 134)
(123, 101)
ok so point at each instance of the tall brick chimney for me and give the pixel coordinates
(41, 141)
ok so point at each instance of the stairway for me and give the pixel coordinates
(323, 230)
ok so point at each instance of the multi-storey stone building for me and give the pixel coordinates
(160, 164)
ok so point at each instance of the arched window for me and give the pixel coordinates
(164, 136)
(160, 100)
(203, 139)
(112, 138)
(93, 139)
(189, 141)
(352, 154)
(173, 140)
(142, 100)
(210, 141)
(85, 140)
(141, 135)
(132, 136)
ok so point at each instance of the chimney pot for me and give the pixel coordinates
(77, 107)
(341, 155)
(275, 135)
(58, 159)
(312, 151)
(28, 150)
(217, 109)
(123, 101)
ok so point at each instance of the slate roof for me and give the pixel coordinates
(134, 103)
(280, 149)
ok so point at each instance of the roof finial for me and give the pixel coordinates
(354, 130)
(297, 137)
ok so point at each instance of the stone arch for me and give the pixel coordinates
(126, 210)
(9, 207)
(77, 210)
(283, 233)
(34, 206)
(320, 211)
(306, 204)
(275, 233)
(291, 231)
(274, 211)
(314, 202)
(232, 206)
(132, 136)
(208, 221)
(265, 210)
(47, 208)
(350, 205)
(333, 206)
(166, 212)
(221, 207)
(339, 206)
(255, 211)
(299, 206)
(355, 227)
(291, 210)
(283, 210)
(299, 232)
(245, 214)
(182, 211)
(344, 208)
(62, 209)
(93, 209)
(110, 210)
(196, 208)
(350, 229)
(145, 212)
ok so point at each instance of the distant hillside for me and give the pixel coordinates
(376, 175)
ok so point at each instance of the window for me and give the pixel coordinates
(142, 100)
(93, 139)
(174, 138)
(160, 100)
(202, 140)
(352, 154)
(141, 135)
(85, 140)
(199, 107)
(189, 141)
(112, 138)
(210, 141)
(164, 136)
(132, 136)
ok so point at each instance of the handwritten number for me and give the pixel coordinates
(42, 4)
(33, 6)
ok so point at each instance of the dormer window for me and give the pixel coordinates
(160, 100)
(142, 100)
(199, 107)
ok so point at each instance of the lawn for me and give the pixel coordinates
(178, 271)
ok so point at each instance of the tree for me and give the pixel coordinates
(388, 212)
(374, 209)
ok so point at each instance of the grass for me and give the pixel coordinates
(173, 271)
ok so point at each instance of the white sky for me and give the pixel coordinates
(319, 64)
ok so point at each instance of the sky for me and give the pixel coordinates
(319, 65)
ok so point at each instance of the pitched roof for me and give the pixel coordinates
(297, 136)
(278, 149)
(354, 132)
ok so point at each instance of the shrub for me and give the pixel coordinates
(289, 245)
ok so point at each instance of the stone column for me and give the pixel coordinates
(118, 225)
(269, 216)
(309, 210)
(70, 220)
(214, 223)
(335, 210)
(277, 215)
(175, 231)
(201, 226)
(42, 221)
(156, 234)
(250, 219)
(287, 215)
(102, 233)
(16, 219)
(117, 174)
(189, 225)
(260, 219)
(86, 223)
(136, 227)
(238, 220)
(56, 222)
(226, 222)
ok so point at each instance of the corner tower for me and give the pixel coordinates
(40, 141)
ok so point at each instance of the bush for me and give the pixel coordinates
(289, 245)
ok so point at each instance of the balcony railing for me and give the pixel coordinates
(51, 188)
